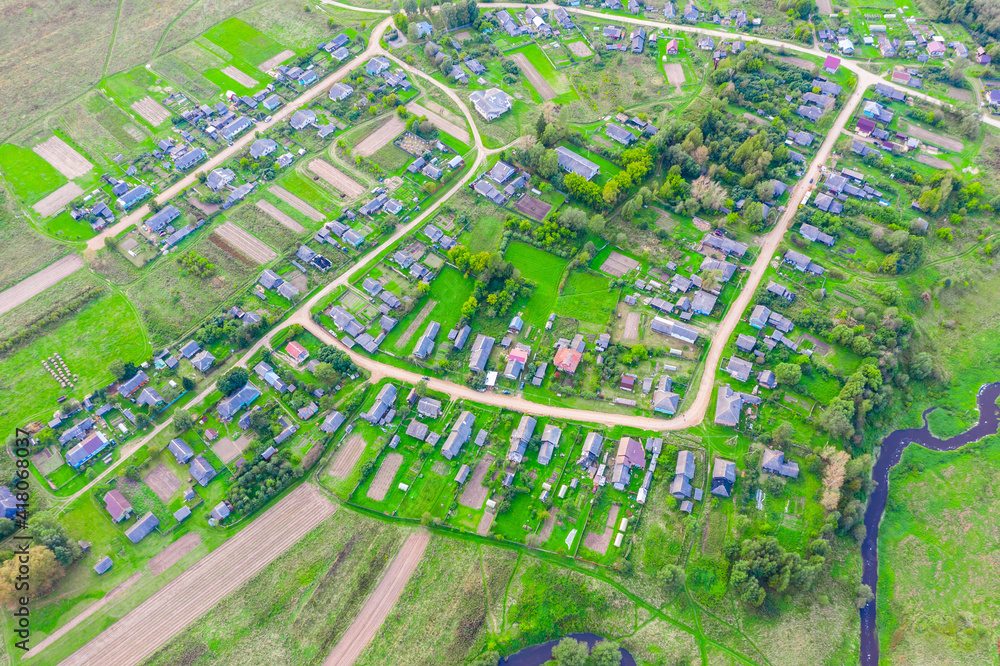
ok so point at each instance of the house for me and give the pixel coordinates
(463, 474)
(630, 454)
(845, 45)
(728, 405)
(298, 353)
(458, 74)
(129, 387)
(739, 369)
(262, 148)
(620, 134)
(133, 196)
(189, 159)
(182, 452)
(424, 29)
(803, 139)
(831, 64)
(219, 178)
(573, 163)
(149, 396)
(550, 441)
(103, 566)
(340, 92)
(982, 57)
(332, 421)
(220, 512)
(268, 279)
(228, 407)
(802, 263)
(142, 528)
(691, 13)
(271, 103)
(117, 506)
(520, 437)
(562, 18)
(425, 345)
(781, 291)
(810, 113)
(477, 67)
(236, 127)
(9, 504)
(417, 429)
(671, 48)
(703, 303)
(866, 126)
(203, 361)
(638, 40)
(302, 118)
(773, 461)
(201, 470)
(746, 343)
(382, 405)
(814, 235)
(481, 348)
(592, 445)
(567, 360)
(680, 487)
(516, 361)
(723, 477)
(725, 245)
(674, 329)
(429, 407)
(490, 104)
(487, 190)
(377, 65)
(159, 221)
(461, 338)
(888, 91)
(767, 379)
(459, 435)
(936, 49)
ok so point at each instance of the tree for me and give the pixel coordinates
(783, 433)
(183, 420)
(605, 653)
(410, 6)
(671, 577)
(49, 532)
(753, 213)
(412, 32)
(574, 218)
(570, 652)
(324, 373)
(141, 421)
(233, 380)
(788, 373)
(548, 165)
(864, 595)
(188, 383)
(117, 369)
(45, 573)
(260, 422)
(595, 224)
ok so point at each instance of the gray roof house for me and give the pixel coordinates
(723, 477)
(773, 461)
(520, 437)
(481, 349)
(383, 403)
(332, 421)
(103, 566)
(202, 470)
(425, 345)
(182, 452)
(591, 448)
(550, 440)
(143, 527)
(459, 435)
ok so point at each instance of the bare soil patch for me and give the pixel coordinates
(31, 286)
(163, 482)
(55, 202)
(151, 111)
(580, 49)
(950, 143)
(347, 457)
(385, 476)
(274, 61)
(825, 6)
(47, 460)
(961, 94)
(296, 203)
(798, 62)
(475, 492)
(279, 217)
(533, 208)
(539, 83)
(227, 450)
(238, 76)
(550, 524)
(246, 243)
(819, 346)
(600, 543)
(63, 157)
(440, 122)
(462, 36)
(754, 118)
(675, 74)
(337, 178)
(618, 264)
(415, 324)
(632, 320)
(485, 523)
(935, 162)
(173, 553)
(379, 138)
(180, 602)
(383, 598)
(206, 208)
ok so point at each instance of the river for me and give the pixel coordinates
(536, 655)
(892, 448)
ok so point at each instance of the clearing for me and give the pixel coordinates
(246, 243)
(337, 178)
(440, 122)
(55, 202)
(163, 482)
(599, 544)
(932, 161)
(533, 208)
(143, 631)
(415, 324)
(151, 111)
(618, 264)
(385, 476)
(240, 78)
(536, 80)
(475, 492)
(379, 138)
(274, 61)
(347, 457)
(39, 282)
(278, 216)
(296, 203)
(632, 326)
(61, 155)
(173, 553)
(383, 598)
(952, 144)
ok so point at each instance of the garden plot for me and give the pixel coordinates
(337, 178)
(246, 243)
(952, 144)
(173, 553)
(61, 155)
(618, 264)
(415, 324)
(377, 139)
(296, 203)
(536, 80)
(798, 62)
(599, 542)
(163, 482)
(385, 476)
(475, 492)
(347, 457)
(240, 78)
(31, 286)
(274, 61)
(280, 217)
(56, 201)
(825, 6)
(675, 74)
(47, 460)
(533, 208)
(227, 450)
(932, 161)
(580, 49)
(151, 111)
(632, 326)
(440, 122)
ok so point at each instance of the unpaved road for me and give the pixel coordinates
(377, 608)
(155, 621)
(35, 284)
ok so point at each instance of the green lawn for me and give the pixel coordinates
(545, 270)
(244, 41)
(30, 176)
(451, 290)
(588, 297)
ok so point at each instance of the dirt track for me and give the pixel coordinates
(55, 201)
(440, 122)
(63, 157)
(389, 130)
(539, 83)
(278, 216)
(337, 178)
(155, 621)
(377, 608)
(35, 284)
(296, 203)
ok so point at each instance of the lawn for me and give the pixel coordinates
(588, 297)
(243, 41)
(29, 175)
(545, 270)
(451, 290)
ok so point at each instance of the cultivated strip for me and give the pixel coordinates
(274, 61)
(236, 75)
(337, 178)
(151, 111)
(296, 203)
(246, 243)
(536, 80)
(278, 216)
(51, 275)
(63, 157)
(380, 137)
(440, 122)
(58, 200)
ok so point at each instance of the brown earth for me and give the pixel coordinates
(246, 243)
(380, 137)
(337, 178)
(536, 80)
(173, 553)
(63, 157)
(151, 111)
(163, 482)
(440, 122)
(239, 77)
(385, 476)
(347, 457)
(475, 492)
(33, 285)
(57, 200)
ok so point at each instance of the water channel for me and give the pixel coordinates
(536, 655)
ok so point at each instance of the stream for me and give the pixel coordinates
(892, 449)
(538, 654)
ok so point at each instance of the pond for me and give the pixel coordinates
(536, 655)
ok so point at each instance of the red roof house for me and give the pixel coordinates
(567, 359)
(297, 351)
(117, 506)
(831, 64)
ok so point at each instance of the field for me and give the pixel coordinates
(278, 216)
(274, 61)
(337, 178)
(39, 282)
(545, 270)
(440, 122)
(347, 456)
(63, 157)
(384, 477)
(151, 111)
(58, 200)
(244, 41)
(675, 74)
(245, 243)
(588, 297)
(534, 77)
(533, 208)
(952, 144)
(448, 292)
(238, 76)
(296, 203)
(29, 175)
(368, 146)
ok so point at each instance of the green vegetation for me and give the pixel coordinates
(30, 176)
(243, 41)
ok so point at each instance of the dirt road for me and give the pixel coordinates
(35, 284)
(377, 608)
(155, 621)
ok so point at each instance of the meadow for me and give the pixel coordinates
(30, 176)
(545, 270)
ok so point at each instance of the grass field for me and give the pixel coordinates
(545, 270)
(29, 175)
(587, 297)
(451, 290)
(25, 251)
(243, 41)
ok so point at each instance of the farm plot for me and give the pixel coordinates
(385, 476)
(378, 605)
(380, 137)
(347, 457)
(53, 203)
(533, 208)
(274, 61)
(173, 553)
(580, 49)
(825, 6)
(536, 80)
(632, 326)
(440, 122)
(296, 203)
(675, 74)
(337, 178)
(618, 264)
(143, 631)
(415, 324)
(39, 282)
(475, 492)
(280, 217)
(163, 482)
(227, 450)
(952, 144)
(932, 161)
(599, 542)
(798, 62)
(151, 111)
(63, 157)
(238, 76)
(246, 243)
